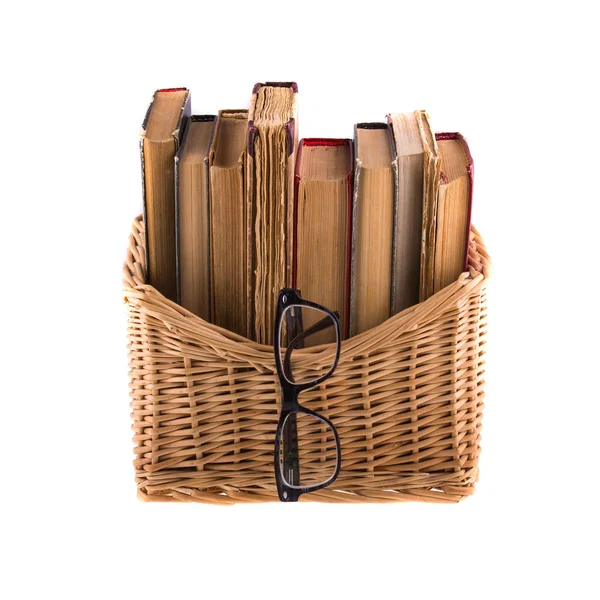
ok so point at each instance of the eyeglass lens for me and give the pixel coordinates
(307, 451)
(305, 327)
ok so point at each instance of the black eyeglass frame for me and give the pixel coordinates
(290, 391)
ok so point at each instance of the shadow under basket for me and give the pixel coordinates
(406, 399)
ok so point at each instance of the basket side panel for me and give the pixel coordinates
(408, 413)
(204, 423)
(406, 399)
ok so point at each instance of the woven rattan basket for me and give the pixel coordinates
(406, 399)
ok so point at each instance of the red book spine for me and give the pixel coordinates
(179, 89)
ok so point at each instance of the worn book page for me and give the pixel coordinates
(452, 214)
(324, 211)
(409, 211)
(193, 219)
(373, 230)
(431, 180)
(228, 222)
(272, 150)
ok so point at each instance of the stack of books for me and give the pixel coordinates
(236, 208)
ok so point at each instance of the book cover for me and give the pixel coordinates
(158, 193)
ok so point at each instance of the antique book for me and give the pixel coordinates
(160, 136)
(408, 220)
(455, 198)
(192, 217)
(431, 181)
(372, 226)
(323, 221)
(271, 158)
(228, 221)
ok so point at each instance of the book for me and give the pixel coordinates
(228, 221)
(323, 224)
(163, 125)
(375, 197)
(431, 182)
(192, 217)
(412, 137)
(455, 198)
(271, 158)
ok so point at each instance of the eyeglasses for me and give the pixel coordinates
(307, 446)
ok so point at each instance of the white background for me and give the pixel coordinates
(519, 81)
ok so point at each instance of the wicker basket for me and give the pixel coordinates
(406, 399)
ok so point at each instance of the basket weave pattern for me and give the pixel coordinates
(406, 399)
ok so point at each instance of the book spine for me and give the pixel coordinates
(354, 218)
(209, 241)
(210, 158)
(177, 236)
(395, 217)
(143, 167)
(144, 203)
(350, 254)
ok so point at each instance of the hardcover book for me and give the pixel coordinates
(455, 199)
(411, 137)
(431, 182)
(192, 217)
(162, 128)
(228, 207)
(323, 224)
(375, 199)
(272, 142)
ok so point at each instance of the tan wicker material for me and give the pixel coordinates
(406, 399)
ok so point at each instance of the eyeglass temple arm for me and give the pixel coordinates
(324, 323)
